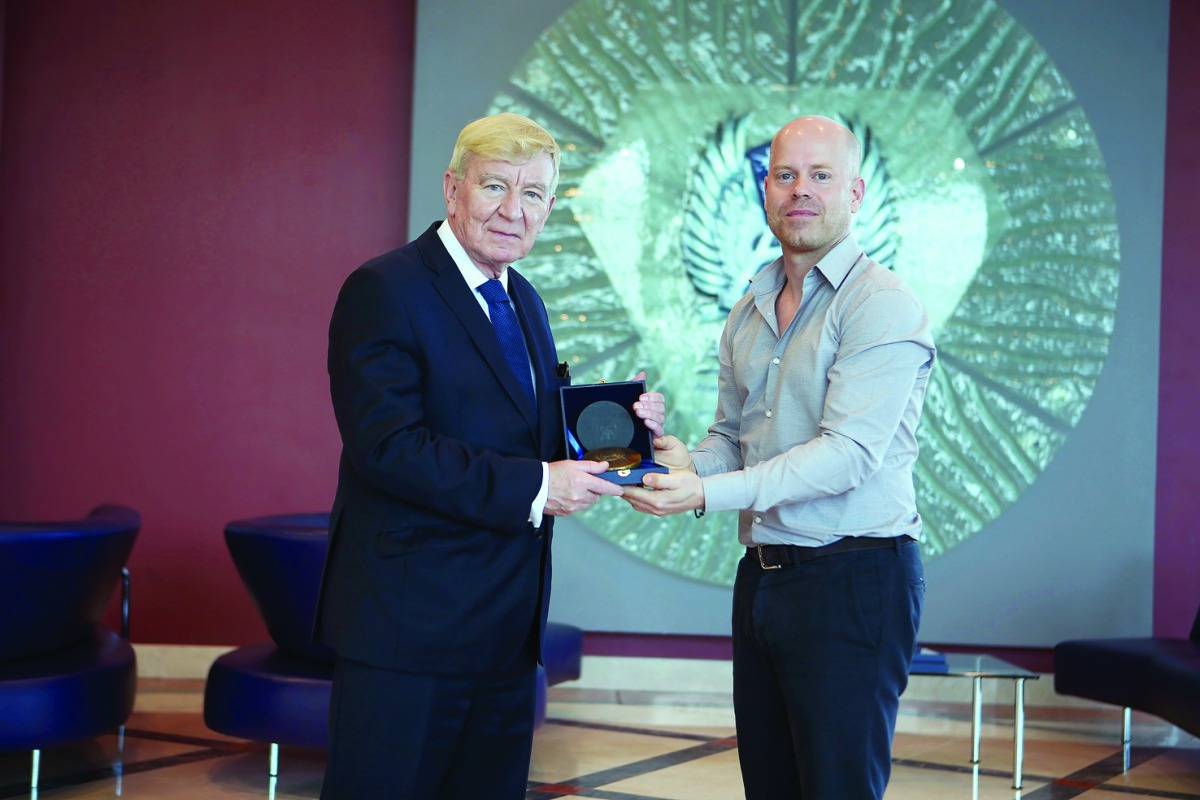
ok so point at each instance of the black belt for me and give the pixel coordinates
(774, 556)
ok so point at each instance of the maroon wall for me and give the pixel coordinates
(184, 187)
(1177, 504)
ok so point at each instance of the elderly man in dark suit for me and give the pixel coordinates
(445, 388)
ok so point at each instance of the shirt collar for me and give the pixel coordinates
(471, 273)
(834, 267)
(838, 262)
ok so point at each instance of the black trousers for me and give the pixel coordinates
(397, 736)
(821, 652)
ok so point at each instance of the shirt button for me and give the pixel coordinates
(768, 413)
(758, 520)
(774, 360)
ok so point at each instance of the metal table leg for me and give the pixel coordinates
(1018, 730)
(976, 716)
(1126, 736)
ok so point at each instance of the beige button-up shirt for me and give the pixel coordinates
(815, 432)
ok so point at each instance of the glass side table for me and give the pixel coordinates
(978, 667)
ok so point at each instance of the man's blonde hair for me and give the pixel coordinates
(503, 137)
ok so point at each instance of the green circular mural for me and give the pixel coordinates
(986, 190)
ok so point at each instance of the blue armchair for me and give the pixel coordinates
(278, 691)
(1158, 675)
(64, 676)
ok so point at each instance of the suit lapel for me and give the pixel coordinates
(449, 283)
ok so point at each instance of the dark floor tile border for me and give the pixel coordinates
(1096, 777)
(106, 773)
(601, 726)
(1093, 777)
(201, 741)
(210, 748)
(596, 794)
(586, 785)
(962, 769)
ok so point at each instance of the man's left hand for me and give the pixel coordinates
(651, 408)
(668, 494)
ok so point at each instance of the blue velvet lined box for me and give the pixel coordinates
(602, 427)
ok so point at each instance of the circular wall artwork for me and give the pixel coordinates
(985, 189)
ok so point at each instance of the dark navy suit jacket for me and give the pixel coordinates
(433, 566)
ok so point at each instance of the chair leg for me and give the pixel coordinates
(119, 764)
(37, 763)
(273, 770)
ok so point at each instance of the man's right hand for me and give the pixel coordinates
(574, 486)
(670, 452)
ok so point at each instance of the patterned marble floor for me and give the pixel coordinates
(647, 745)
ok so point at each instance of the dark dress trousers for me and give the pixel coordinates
(436, 583)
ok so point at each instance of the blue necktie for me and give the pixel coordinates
(508, 331)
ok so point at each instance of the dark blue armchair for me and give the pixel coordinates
(278, 691)
(1158, 675)
(64, 676)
